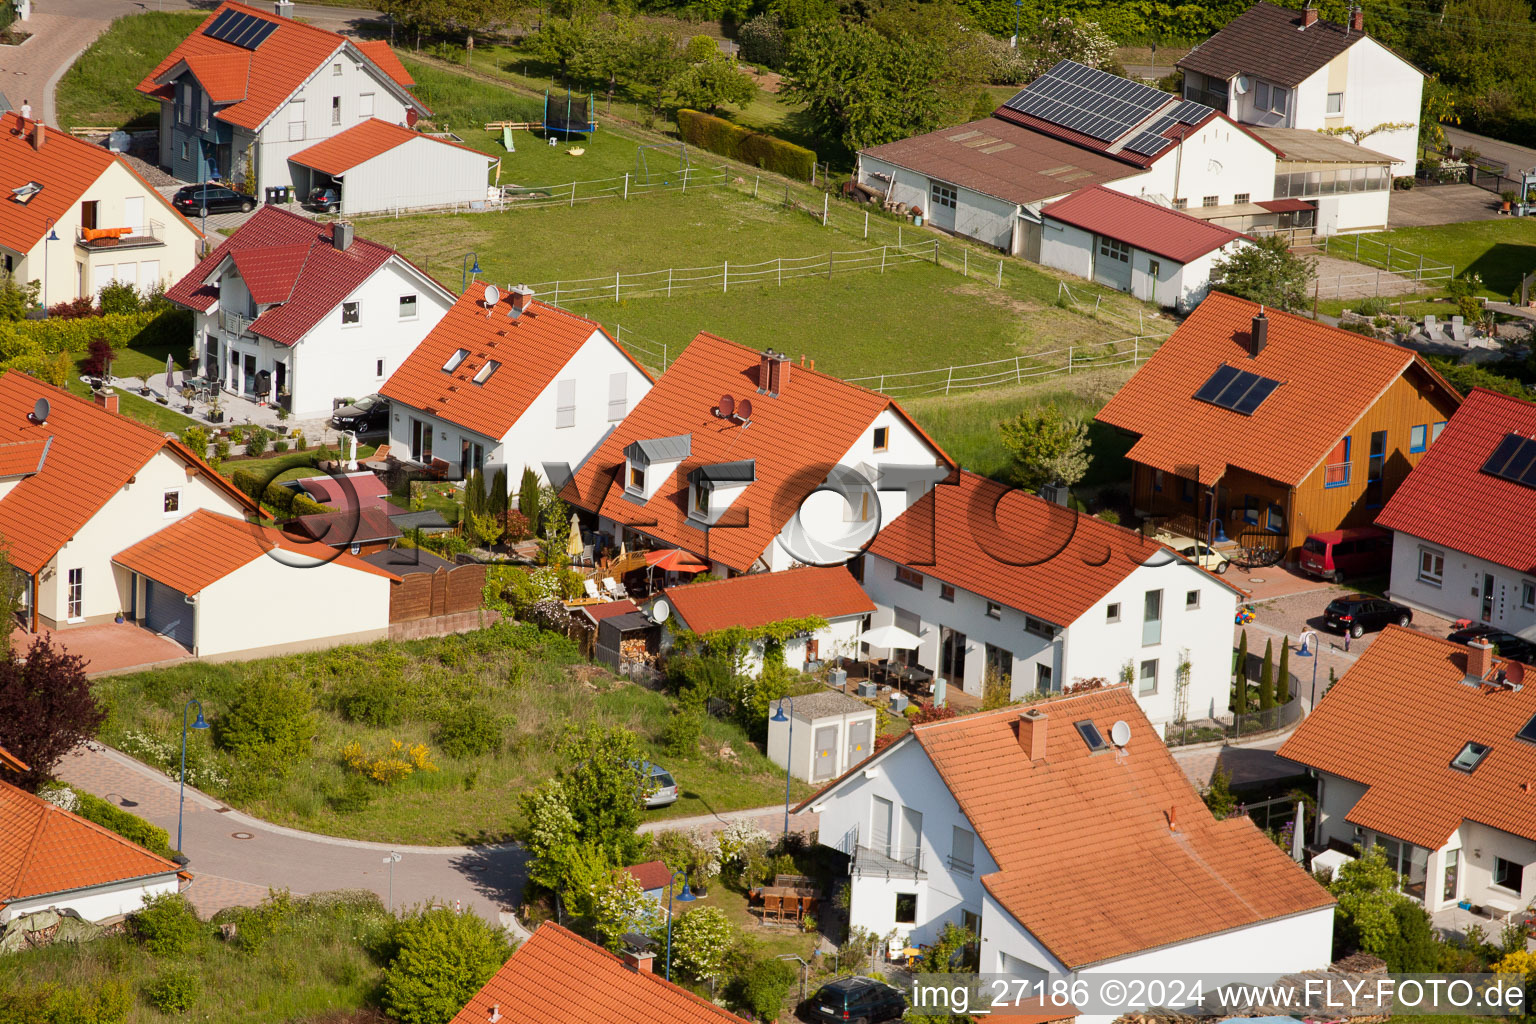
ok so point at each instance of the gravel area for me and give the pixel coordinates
(1296, 613)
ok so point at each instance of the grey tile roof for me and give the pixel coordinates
(741, 471)
(826, 704)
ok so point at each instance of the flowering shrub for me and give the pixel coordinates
(202, 771)
(390, 767)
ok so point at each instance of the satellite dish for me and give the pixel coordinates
(1120, 733)
(492, 295)
(1242, 84)
(744, 410)
(727, 407)
(661, 611)
(40, 411)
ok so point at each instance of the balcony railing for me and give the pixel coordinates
(233, 323)
(132, 237)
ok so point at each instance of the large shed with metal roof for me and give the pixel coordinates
(378, 166)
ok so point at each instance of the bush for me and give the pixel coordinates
(279, 446)
(373, 702)
(1403, 182)
(763, 986)
(74, 309)
(1372, 305)
(469, 730)
(99, 355)
(730, 140)
(55, 369)
(272, 719)
(278, 498)
(246, 482)
(196, 438)
(221, 449)
(130, 826)
(762, 41)
(121, 330)
(440, 960)
(167, 925)
(119, 297)
(304, 505)
(680, 736)
(256, 442)
(172, 991)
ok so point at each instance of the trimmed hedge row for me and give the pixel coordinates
(130, 826)
(717, 135)
(124, 330)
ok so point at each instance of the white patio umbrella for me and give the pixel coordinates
(891, 638)
(170, 377)
(1298, 837)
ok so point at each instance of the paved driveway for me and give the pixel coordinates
(1441, 204)
(111, 647)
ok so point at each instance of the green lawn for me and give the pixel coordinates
(98, 90)
(129, 364)
(1500, 251)
(533, 689)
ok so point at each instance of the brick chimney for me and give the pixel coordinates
(495, 1014)
(1309, 17)
(1032, 725)
(1479, 660)
(772, 373)
(107, 400)
(1258, 337)
(522, 297)
(39, 135)
(639, 961)
(1357, 20)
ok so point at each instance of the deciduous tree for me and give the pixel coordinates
(441, 959)
(863, 88)
(701, 942)
(46, 708)
(1265, 271)
(1045, 446)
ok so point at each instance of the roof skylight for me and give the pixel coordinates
(1470, 757)
(455, 359)
(1090, 734)
(490, 367)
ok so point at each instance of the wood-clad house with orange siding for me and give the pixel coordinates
(1274, 425)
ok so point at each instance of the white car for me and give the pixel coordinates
(1199, 552)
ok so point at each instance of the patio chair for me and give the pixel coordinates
(773, 908)
(591, 588)
(614, 588)
(1431, 325)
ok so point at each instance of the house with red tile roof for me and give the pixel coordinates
(1272, 425)
(1426, 750)
(1463, 545)
(249, 88)
(999, 584)
(505, 381)
(53, 859)
(1068, 840)
(558, 977)
(78, 217)
(760, 599)
(301, 313)
(378, 166)
(749, 462)
(1157, 254)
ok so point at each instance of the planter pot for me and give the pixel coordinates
(145, 392)
(162, 400)
(216, 417)
(188, 409)
(1465, 904)
(118, 619)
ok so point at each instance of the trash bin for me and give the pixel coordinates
(274, 194)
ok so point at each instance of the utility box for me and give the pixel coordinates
(824, 735)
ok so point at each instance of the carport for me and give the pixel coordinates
(381, 166)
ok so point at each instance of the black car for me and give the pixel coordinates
(1506, 645)
(855, 1000)
(363, 416)
(1360, 612)
(198, 200)
(325, 200)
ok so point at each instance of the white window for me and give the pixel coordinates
(76, 594)
(636, 481)
(407, 307)
(336, 70)
(296, 121)
(1148, 681)
(1270, 97)
(1527, 594)
(349, 313)
(994, 610)
(170, 503)
(186, 151)
(454, 360)
(618, 396)
(335, 110)
(882, 438)
(943, 195)
(1431, 566)
(1242, 197)
(1112, 612)
(1335, 103)
(1111, 249)
(1209, 201)
(365, 105)
(565, 404)
(962, 850)
(1179, 204)
(911, 577)
(1192, 600)
(378, 368)
(1039, 627)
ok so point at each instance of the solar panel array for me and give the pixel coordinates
(1238, 390)
(240, 29)
(1086, 100)
(1150, 141)
(1514, 460)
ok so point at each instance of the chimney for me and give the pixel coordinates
(39, 136)
(1479, 661)
(495, 1014)
(522, 297)
(1173, 819)
(107, 400)
(283, 8)
(1309, 17)
(639, 960)
(1258, 337)
(1357, 20)
(772, 373)
(1032, 734)
(341, 235)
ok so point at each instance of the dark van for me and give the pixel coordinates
(1338, 555)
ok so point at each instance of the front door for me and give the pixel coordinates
(248, 377)
(211, 357)
(952, 656)
(942, 201)
(880, 826)
(1488, 585)
(421, 442)
(1112, 263)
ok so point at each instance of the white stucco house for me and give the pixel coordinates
(1278, 67)
(77, 217)
(302, 313)
(1069, 842)
(251, 87)
(1473, 557)
(761, 599)
(507, 382)
(750, 462)
(1044, 597)
(51, 859)
(1426, 749)
(1155, 253)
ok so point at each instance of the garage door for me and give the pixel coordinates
(166, 611)
(1112, 263)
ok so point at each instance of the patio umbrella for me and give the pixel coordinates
(170, 376)
(1297, 836)
(674, 560)
(892, 638)
(573, 542)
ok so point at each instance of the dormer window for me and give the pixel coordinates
(490, 367)
(455, 359)
(701, 493)
(651, 460)
(636, 480)
(712, 488)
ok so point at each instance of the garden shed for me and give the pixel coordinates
(379, 166)
(624, 640)
(832, 733)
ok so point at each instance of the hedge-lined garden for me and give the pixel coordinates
(717, 135)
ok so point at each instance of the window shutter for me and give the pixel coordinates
(618, 385)
(565, 404)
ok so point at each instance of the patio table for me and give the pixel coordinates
(1503, 906)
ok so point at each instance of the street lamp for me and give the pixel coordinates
(467, 275)
(52, 236)
(392, 860)
(789, 754)
(685, 896)
(1018, 7)
(1307, 652)
(181, 802)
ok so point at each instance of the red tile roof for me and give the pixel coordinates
(653, 874)
(1146, 225)
(788, 434)
(292, 262)
(202, 548)
(283, 62)
(1134, 883)
(65, 167)
(1294, 429)
(225, 77)
(557, 977)
(23, 458)
(1449, 500)
(92, 454)
(382, 54)
(759, 598)
(364, 141)
(1394, 723)
(11, 761)
(46, 850)
(532, 351)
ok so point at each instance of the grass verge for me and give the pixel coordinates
(98, 90)
(1499, 251)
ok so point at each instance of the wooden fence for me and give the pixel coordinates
(422, 595)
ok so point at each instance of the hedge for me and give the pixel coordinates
(717, 135)
(123, 330)
(130, 826)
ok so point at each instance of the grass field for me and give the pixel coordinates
(99, 89)
(130, 363)
(1499, 251)
(533, 692)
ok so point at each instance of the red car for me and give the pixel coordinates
(1347, 554)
